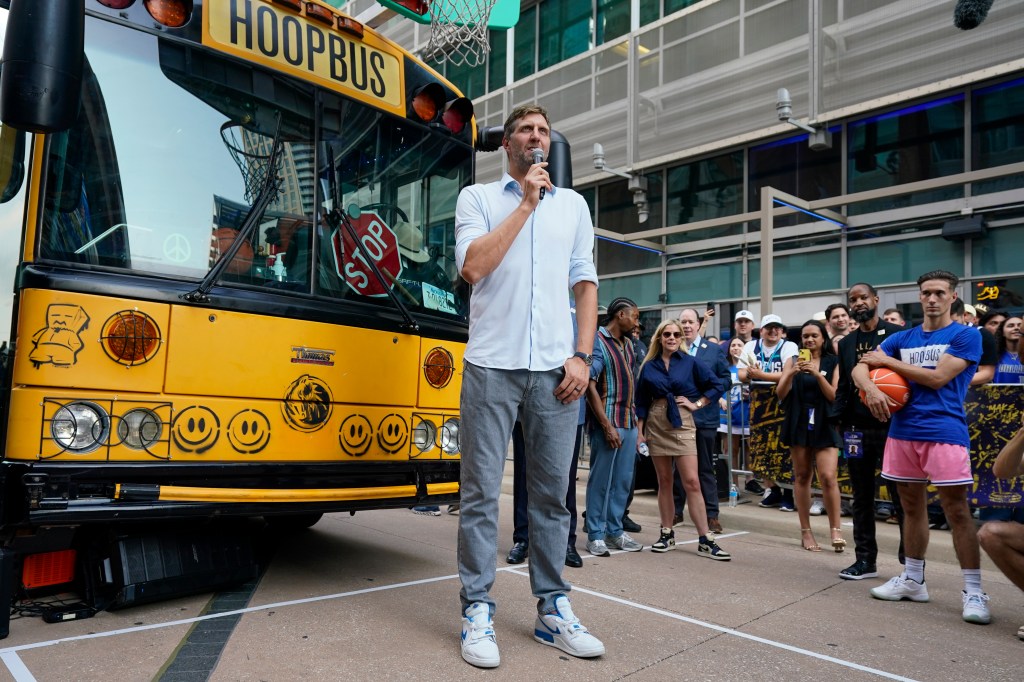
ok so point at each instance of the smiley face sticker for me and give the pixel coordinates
(249, 432)
(355, 435)
(392, 433)
(195, 429)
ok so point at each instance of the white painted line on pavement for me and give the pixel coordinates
(16, 667)
(21, 673)
(736, 633)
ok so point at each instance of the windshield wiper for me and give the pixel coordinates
(268, 193)
(338, 218)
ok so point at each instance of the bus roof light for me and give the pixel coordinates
(170, 13)
(291, 4)
(117, 4)
(319, 13)
(350, 25)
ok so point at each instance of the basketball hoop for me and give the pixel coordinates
(252, 153)
(458, 31)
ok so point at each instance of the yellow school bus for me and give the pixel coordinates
(227, 281)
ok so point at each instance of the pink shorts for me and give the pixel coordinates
(915, 461)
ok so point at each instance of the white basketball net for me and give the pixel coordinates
(458, 31)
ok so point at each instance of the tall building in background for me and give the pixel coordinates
(925, 161)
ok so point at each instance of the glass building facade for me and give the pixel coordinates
(925, 128)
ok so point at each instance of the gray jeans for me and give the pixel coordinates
(492, 400)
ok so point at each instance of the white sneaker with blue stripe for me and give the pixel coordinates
(563, 630)
(479, 647)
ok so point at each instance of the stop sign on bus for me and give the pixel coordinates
(378, 243)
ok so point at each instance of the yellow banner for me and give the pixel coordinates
(256, 30)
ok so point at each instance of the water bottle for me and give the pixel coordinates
(643, 449)
(734, 495)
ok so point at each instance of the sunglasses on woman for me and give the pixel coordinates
(671, 335)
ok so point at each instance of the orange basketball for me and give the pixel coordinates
(891, 384)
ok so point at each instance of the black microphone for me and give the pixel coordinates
(538, 157)
(969, 13)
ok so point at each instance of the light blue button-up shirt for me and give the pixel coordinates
(517, 314)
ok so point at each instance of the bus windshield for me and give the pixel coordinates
(170, 150)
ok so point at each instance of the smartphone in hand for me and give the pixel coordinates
(804, 354)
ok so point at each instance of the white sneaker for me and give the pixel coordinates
(901, 588)
(479, 647)
(624, 542)
(562, 629)
(598, 548)
(976, 608)
(817, 508)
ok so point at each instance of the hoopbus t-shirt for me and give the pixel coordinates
(935, 415)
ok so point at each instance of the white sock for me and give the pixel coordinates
(972, 580)
(914, 570)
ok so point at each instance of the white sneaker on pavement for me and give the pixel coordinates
(976, 608)
(817, 508)
(479, 646)
(901, 588)
(598, 548)
(563, 630)
(624, 542)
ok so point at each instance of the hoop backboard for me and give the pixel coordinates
(504, 15)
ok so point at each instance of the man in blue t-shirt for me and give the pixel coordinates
(928, 440)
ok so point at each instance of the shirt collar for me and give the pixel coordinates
(508, 182)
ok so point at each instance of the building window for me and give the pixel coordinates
(525, 44)
(897, 262)
(997, 133)
(618, 213)
(612, 20)
(797, 273)
(921, 142)
(792, 166)
(496, 60)
(709, 188)
(705, 283)
(998, 251)
(565, 30)
(643, 289)
(615, 257)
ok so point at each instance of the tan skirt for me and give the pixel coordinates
(663, 439)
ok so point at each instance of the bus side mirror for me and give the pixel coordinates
(41, 81)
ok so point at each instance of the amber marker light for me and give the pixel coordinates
(130, 337)
(438, 367)
(170, 13)
(291, 4)
(319, 13)
(350, 25)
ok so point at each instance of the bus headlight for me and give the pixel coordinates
(80, 427)
(140, 429)
(423, 435)
(450, 436)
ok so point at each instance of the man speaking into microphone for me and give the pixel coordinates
(522, 255)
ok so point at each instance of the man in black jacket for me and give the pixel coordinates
(863, 436)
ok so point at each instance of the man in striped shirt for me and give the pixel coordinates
(612, 424)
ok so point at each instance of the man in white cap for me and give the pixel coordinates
(763, 360)
(743, 324)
